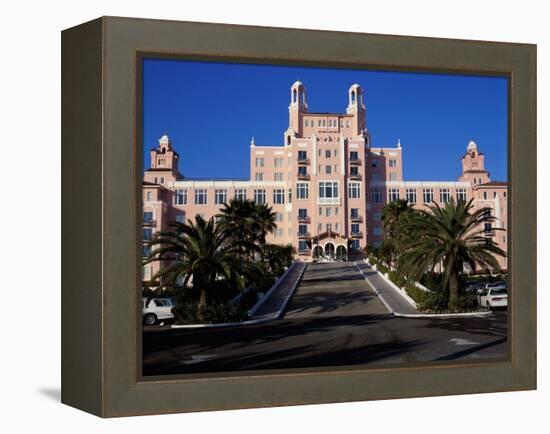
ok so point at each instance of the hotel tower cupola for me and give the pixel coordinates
(164, 157)
(298, 96)
(355, 100)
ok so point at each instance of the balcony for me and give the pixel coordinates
(355, 176)
(304, 252)
(303, 160)
(150, 222)
(303, 176)
(356, 218)
(303, 219)
(355, 161)
(303, 235)
(358, 234)
(328, 201)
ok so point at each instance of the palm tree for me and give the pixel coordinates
(264, 223)
(452, 235)
(394, 216)
(200, 252)
(238, 220)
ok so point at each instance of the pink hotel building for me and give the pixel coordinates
(327, 184)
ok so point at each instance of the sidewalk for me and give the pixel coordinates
(277, 298)
(391, 298)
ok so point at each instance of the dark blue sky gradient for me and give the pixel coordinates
(211, 111)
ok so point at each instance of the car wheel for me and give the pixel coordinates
(150, 319)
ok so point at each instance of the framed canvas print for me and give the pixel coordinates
(261, 217)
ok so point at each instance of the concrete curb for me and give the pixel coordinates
(266, 296)
(273, 317)
(420, 315)
(399, 290)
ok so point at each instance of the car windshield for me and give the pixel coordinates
(499, 291)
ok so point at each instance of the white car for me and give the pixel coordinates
(157, 309)
(493, 296)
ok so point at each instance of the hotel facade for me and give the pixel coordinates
(327, 184)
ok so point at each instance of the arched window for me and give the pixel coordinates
(294, 96)
(288, 140)
(353, 97)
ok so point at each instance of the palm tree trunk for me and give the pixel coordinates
(453, 285)
(202, 303)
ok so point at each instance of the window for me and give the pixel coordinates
(329, 227)
(279, 176)
(279, 195)
(146, 251)
(302, 229)
(320, 210)
(201, 196)
(329, 212)
(148, 217)
(162, 179)
(278, 232)
(302, 190)
(328, 189)
(259, 196)
(336, 210)
(302, 171)
(354, 228)
(290, 195)
(259, 176)
(278, 216)
(444, 195)
(353, 156)
(278, 162)
(328, 169)
(240, 194)
(428, 195)
(411, 195)
(377, 216)
(376, 195)
(180, 218)
(354, 171)
(393, 176)
(485, 195)
(220, 197)
(378, 231)
(461, 195)
(347, 124)
(149, 196)
(327, 153)
(355, 245)
(354, 213)
(259, 162)
(504, 194)
(393, 194)
(302, 245)
(375, 162)
(302, 213)
(494, 194)
(375, 177)
(393, 163)
(181, 197)
(354, 190)
(302, 155)
(336, 227)
(147, 234)
(319, 227)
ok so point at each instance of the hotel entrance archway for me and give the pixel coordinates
(341, 253)
(330, 250)
(317, 252)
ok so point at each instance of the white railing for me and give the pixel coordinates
(328, 201)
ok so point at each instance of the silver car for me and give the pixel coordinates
(157, 309)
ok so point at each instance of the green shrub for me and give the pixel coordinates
(394, 277)
(435, 301)
(188, 313)
(382, 268)
(417, 294)
(464, 303)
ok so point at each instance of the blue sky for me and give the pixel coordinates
(211, 111)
